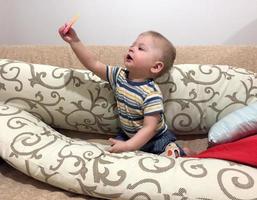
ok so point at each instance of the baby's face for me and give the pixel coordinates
(142, 54)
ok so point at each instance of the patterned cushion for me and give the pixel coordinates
(195, 96)
(61, 97)
(37, 150)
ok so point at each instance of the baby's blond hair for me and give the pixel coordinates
(167, 48)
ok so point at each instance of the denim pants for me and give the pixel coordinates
(156, 145)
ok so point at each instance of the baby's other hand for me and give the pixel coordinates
(118, 146)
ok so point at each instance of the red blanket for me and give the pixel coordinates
(242, 151)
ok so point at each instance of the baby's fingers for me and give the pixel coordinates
(113, 149)
(60, 30)
(113, 141)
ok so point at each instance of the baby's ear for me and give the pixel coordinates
(157, 68)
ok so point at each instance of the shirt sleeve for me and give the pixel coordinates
(111, 75)
(153, 104)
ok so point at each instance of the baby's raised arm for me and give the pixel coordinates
(86, 57)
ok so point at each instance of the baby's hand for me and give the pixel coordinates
(67, 33)
(70, 36)
(118, 146)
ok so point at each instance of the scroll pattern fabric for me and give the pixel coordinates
(63, 98)
(195, 96)
(78, 166)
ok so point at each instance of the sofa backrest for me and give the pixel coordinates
(238, 56)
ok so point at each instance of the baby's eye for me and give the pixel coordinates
(141, 48)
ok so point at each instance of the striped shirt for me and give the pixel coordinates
(135, 100)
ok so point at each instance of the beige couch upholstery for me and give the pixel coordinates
(174, 179)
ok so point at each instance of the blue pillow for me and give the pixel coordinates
(236, 125)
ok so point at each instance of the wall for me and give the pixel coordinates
(118, 22)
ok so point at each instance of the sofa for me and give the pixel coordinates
(56, 118)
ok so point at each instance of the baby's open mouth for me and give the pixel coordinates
(128, 57)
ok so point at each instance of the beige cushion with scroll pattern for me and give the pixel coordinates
(37, 150)
(61, 97)
(76, 99)
(195, 96)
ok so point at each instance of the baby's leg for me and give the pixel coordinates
(121, 136)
